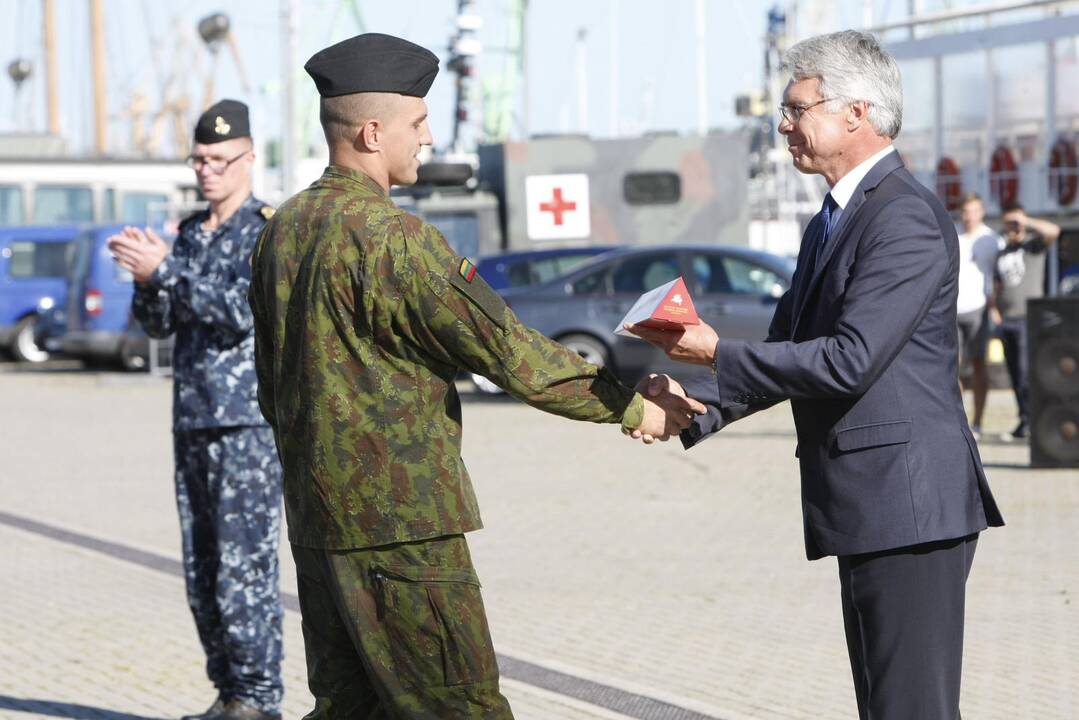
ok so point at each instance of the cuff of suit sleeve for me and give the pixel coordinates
(691, 436)
(726, 353)
(633, 415)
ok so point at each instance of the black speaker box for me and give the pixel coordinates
(1053, 334)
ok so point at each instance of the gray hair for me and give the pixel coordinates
(852, 66)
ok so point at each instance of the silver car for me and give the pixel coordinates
(734, 289)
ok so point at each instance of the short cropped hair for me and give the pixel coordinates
(1013, 206)
(852, 66)
(969, 197)
(342, 116)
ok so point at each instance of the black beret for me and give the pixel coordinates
(224, 120)
(373, 62)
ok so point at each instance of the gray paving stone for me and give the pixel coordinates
(675, 576)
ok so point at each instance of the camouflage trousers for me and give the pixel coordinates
(228, 493)
(397, 631)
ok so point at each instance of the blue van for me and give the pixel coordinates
(33, 267)
(97, 325)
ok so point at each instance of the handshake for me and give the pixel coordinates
(667, 409)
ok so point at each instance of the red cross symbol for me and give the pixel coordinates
(558, 206)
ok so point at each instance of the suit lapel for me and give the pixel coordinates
(885, 167)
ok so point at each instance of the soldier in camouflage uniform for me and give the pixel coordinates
(228, 479)
(363, 318)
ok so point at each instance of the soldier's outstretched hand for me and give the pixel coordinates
(667, 410)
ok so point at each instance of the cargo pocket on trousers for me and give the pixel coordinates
(435, 624)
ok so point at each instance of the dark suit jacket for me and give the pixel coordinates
(866, 351)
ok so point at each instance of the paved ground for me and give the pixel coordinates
(621, 580)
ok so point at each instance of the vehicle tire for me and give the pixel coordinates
(485, 386)
(130, 357)
(588, 347)
(24, 348)
(440, 173)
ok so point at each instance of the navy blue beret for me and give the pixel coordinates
(224, 120)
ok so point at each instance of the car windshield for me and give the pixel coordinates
(541, 270)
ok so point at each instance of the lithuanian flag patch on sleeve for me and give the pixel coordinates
(467, 270)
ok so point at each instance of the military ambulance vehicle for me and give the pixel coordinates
(568, 191)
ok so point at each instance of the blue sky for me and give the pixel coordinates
(655, 62)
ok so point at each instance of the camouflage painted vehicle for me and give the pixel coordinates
(568, 191)
(650, 190)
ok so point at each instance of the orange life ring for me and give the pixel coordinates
(1063, 171)
(1003, 176)
(949, 185)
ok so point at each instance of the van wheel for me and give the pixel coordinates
(588, 347)
(24, 348)
(130, 358)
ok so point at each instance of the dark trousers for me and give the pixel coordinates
(228, 494)
(1013, 334)
(903, 616)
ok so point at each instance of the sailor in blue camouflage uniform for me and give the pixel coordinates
(228, 479)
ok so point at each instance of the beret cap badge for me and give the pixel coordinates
(224, 120)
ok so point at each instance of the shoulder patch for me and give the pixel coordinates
(266, 211)
(475, 288)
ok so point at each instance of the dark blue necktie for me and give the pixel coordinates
(827, 213)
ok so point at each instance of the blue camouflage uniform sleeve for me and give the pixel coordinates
(152, 304)
(218, 302)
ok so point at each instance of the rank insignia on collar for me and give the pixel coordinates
(266, 211)
(467, 270)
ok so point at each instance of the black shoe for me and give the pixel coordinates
(211, 713)
(1021, 431)
(237, 710)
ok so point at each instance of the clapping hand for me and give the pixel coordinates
(667, 410)
(137, 251)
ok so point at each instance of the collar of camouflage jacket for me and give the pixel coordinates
(335, 174)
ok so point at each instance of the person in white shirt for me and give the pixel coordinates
(978, 248)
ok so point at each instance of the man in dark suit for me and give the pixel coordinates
(864, 347)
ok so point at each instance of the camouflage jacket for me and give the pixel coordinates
(199, 292)
(363, 317)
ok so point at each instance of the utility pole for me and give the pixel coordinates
(49, 37)
(525, 117)
(464, 47)
(613, 97)
(97, 61)
(702, 71)
(289, 14)
(582, 81)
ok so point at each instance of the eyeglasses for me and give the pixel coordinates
(217, 165)
(793, 113)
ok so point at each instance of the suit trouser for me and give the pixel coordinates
(903, 616)
(397, 631)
